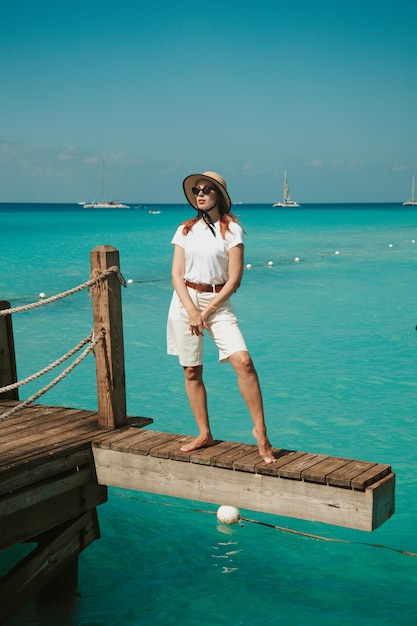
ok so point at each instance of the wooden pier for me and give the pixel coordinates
(339, 491)
(48, 496)
(56, 464)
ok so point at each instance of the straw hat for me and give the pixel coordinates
(212, 177)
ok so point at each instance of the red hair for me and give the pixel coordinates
(224, 222)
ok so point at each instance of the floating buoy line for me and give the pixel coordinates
(42, 295)
(248, 266)
(234, 514)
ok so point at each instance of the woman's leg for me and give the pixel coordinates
(248, 382)
(197, 398)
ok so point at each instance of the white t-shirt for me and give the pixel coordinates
(207, 257)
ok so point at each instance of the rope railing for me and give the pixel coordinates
(61, 376)
(93, 282)
(48, 368)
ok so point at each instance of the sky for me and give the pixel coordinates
(324, 89)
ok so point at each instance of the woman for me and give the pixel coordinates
(207, 268)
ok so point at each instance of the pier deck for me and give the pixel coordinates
(44, 449)
(56, 464)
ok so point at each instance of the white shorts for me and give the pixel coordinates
(222, 326)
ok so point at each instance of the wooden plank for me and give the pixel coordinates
(178, 455)
(26, 523)
(253, 463)
(139, 443)
(318, 472)
(35, 407)
(138, 447)
(293, 468)
(47, 431)
(28, 416)
(37, 416)
(163, 450)
(113, 436)
(383, 500)
(132, 440)
(45, 562)
(282, 457)
(370, 476)
(206, 456)
(12, 463)
(32, 418)
(52, 432)
(343, 476)
(249, 462)
(163, 442)
(148, 440)
(5, 404)
(23, 498)
(253, 491)
(122, 438)
(30, 437)
(230, 455)
(42, 470)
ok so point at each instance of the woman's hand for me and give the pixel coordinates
(196, 323)
(205, 314)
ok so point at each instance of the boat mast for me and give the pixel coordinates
(286, 188)
(102, 180)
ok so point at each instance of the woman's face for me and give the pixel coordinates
(205, 201)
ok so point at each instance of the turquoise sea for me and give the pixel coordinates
(333, 336)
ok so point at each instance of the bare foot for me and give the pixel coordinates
(202, 441)
(264, 447)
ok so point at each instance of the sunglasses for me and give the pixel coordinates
(206, 190)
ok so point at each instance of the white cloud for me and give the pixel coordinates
(316, 163)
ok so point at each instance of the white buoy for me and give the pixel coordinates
(390, 245)
(413, 241)
(337, 252)
(41, 295)
(248, 266)
(228, 514)
(270, 263)
(130, 281)
(296, 260)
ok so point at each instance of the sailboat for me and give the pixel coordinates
(287, 202)
(411, 201)
(105, 204)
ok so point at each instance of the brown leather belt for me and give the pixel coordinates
(206, 288)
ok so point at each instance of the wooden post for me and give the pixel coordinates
(8, 373)
(107, 310)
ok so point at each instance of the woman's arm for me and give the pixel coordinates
(236, 257)
(194, 316)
